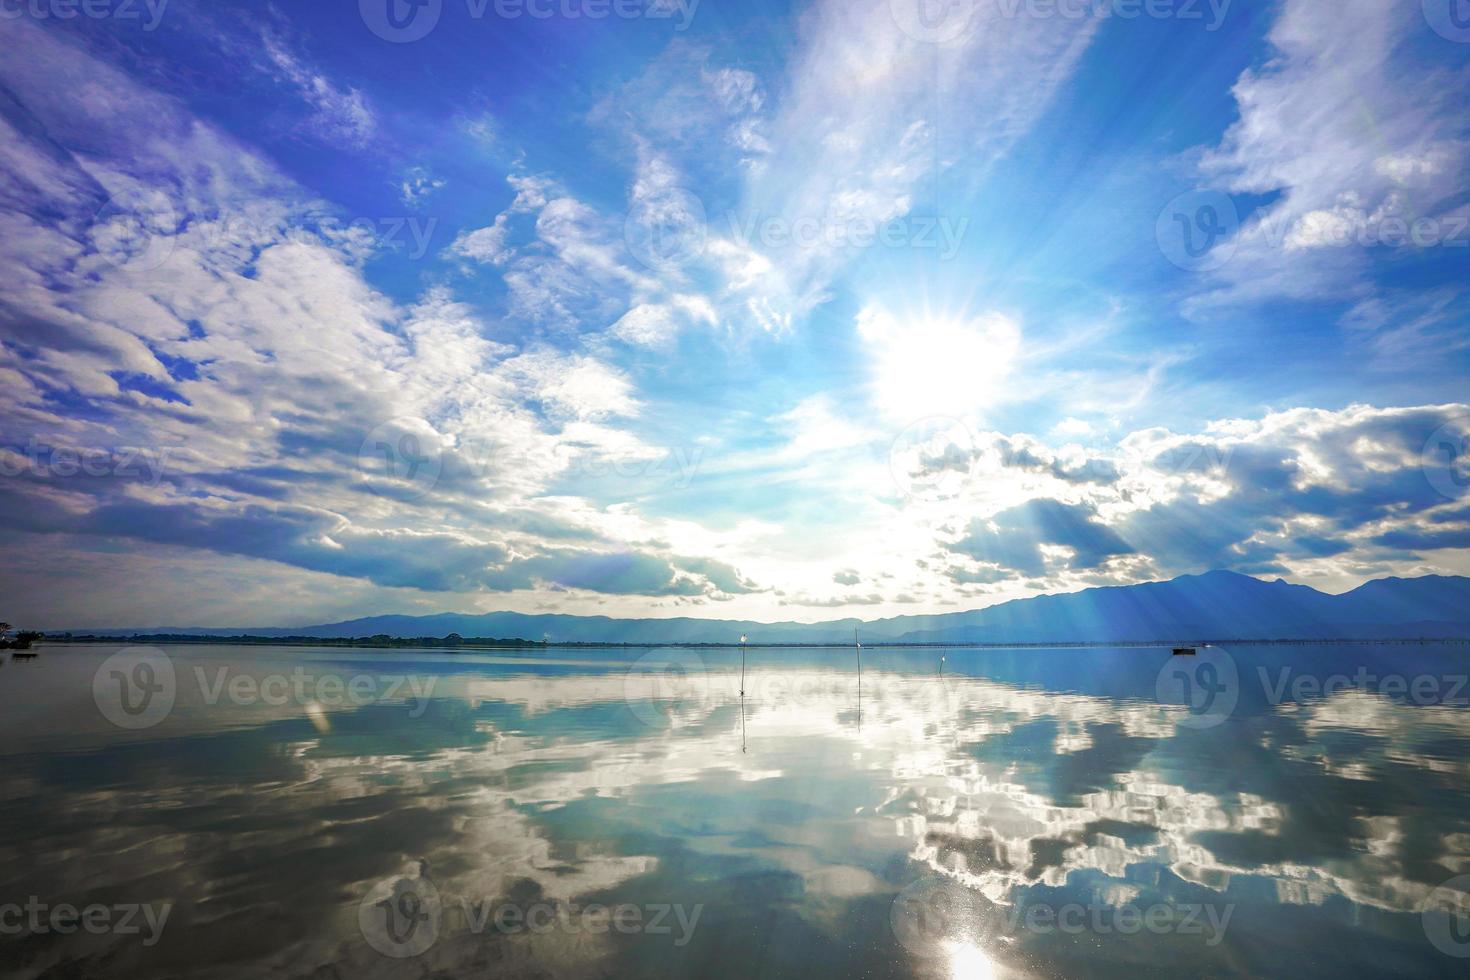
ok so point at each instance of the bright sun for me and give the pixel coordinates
(938, 365)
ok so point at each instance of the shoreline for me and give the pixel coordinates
(480, 646)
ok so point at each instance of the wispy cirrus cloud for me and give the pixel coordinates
(337, 113)
(1353, 135)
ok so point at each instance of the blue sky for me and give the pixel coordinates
(783, 311)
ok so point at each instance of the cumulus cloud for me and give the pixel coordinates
(1302, 489)
(1016, 538)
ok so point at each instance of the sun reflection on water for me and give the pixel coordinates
(967, 961)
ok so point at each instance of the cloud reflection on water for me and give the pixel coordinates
(267, 825)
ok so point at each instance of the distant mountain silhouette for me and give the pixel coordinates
(1220, 605)
(1215, 605)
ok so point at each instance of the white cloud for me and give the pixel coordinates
(1350, 130)
(574, 386)
(340, 114)
(648, 325)
(485, 245)
(276, 373)
(418, 184)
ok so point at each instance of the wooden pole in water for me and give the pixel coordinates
(742, 665)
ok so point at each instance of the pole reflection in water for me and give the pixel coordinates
(742, 721)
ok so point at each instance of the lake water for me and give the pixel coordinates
(219, 811)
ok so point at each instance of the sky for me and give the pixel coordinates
(740, 310)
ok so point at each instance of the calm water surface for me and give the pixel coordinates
(303, 812)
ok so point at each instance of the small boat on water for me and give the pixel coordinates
(1184, 651)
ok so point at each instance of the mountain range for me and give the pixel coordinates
(1216, 605)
